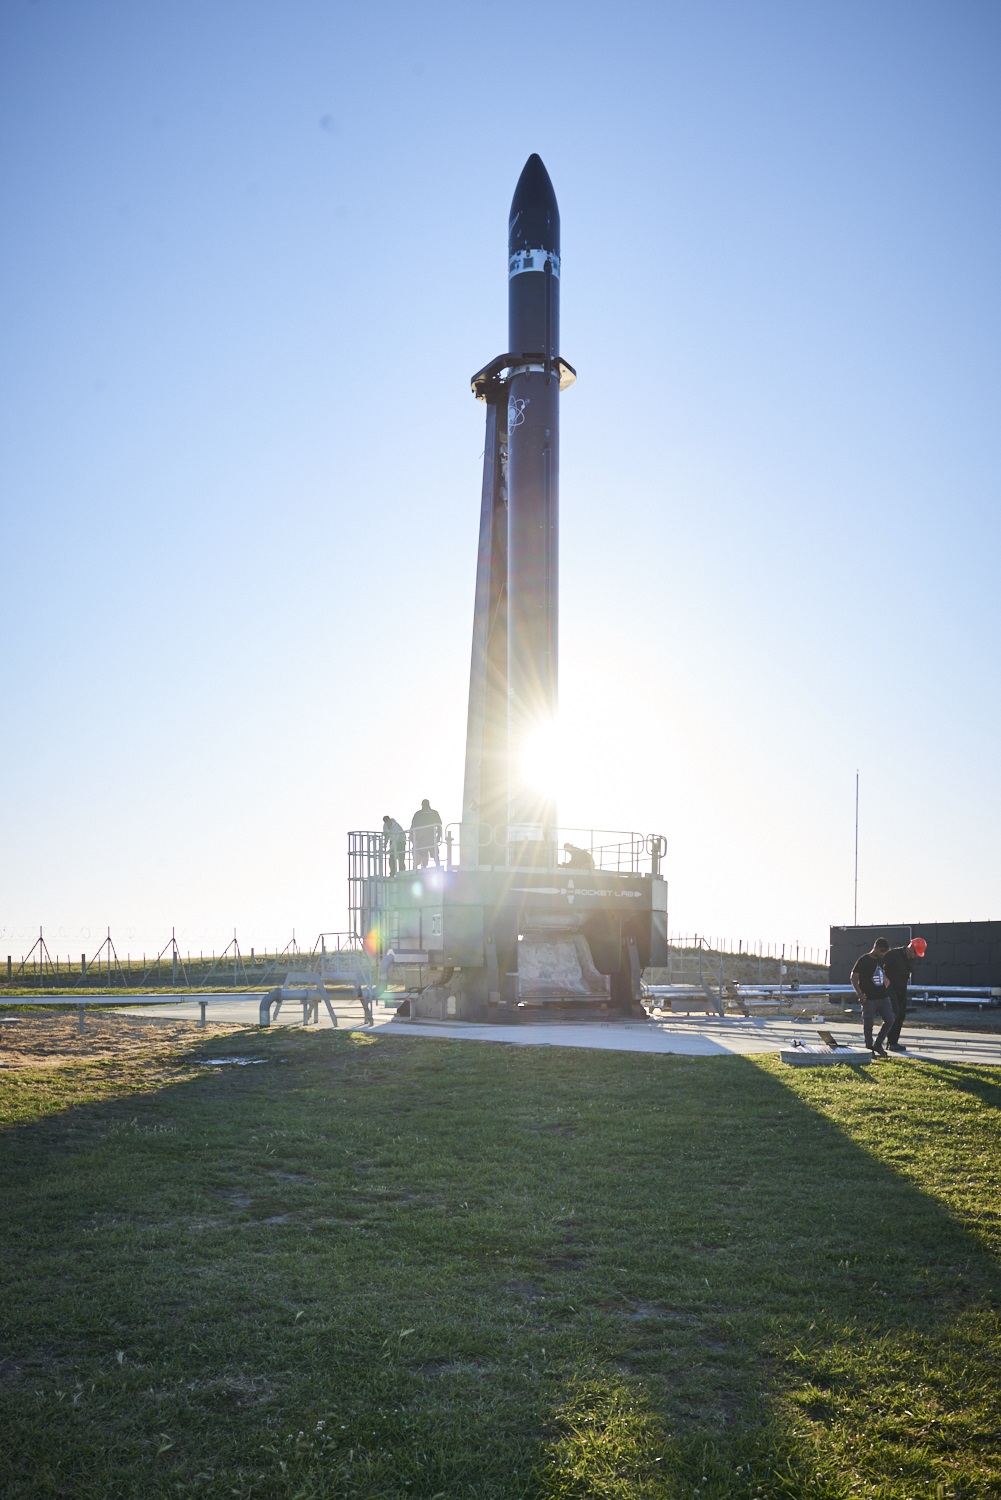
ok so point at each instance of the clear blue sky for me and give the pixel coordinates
(252, 254)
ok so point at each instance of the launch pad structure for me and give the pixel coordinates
(497, 942)
(505, 929)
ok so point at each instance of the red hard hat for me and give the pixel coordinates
(920, 946)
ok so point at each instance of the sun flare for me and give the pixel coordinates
(541, 761)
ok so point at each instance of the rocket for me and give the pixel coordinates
(507, 929)
(513, 689)
(533, 474)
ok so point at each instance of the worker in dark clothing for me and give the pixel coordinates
(577, 858)
(898, 966)
(394, 841)
(870, 984)
(425, 834)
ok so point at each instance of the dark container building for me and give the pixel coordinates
(959, 953)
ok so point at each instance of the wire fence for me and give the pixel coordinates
(107, 969)
(691, 957)
(753, 948)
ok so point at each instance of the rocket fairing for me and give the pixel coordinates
(533, 468)
(514, 672)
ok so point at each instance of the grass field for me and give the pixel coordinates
(382, 1267)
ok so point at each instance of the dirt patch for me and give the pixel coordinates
(47, 1039)
(437, 1369)
(236, 1196)
(529, 1290)
(641, 1312)
(240, 1390)
(387, 1195)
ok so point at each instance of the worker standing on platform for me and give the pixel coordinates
(394, 841)
(425, 835)
(898, 966)
(577, 858)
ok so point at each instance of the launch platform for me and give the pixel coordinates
(506, 942)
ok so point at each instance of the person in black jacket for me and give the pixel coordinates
(577, 858)
(870, 984)
(425, 835)
(898, 966)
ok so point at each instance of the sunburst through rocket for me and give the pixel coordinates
(521, 920)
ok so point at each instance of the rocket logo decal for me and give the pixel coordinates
(516, 411)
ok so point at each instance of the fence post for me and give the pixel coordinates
(83, 965)
(10, 967)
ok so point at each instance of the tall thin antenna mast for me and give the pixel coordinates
(855, 915)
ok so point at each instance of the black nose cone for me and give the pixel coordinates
(535, 217)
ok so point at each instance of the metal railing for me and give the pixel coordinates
(373, 855)
(613, 850)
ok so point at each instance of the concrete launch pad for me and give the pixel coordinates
(698, 1037)
(694, 1036)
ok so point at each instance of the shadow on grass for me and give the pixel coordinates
(386, 1267)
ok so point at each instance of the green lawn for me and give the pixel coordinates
(384, 1267)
